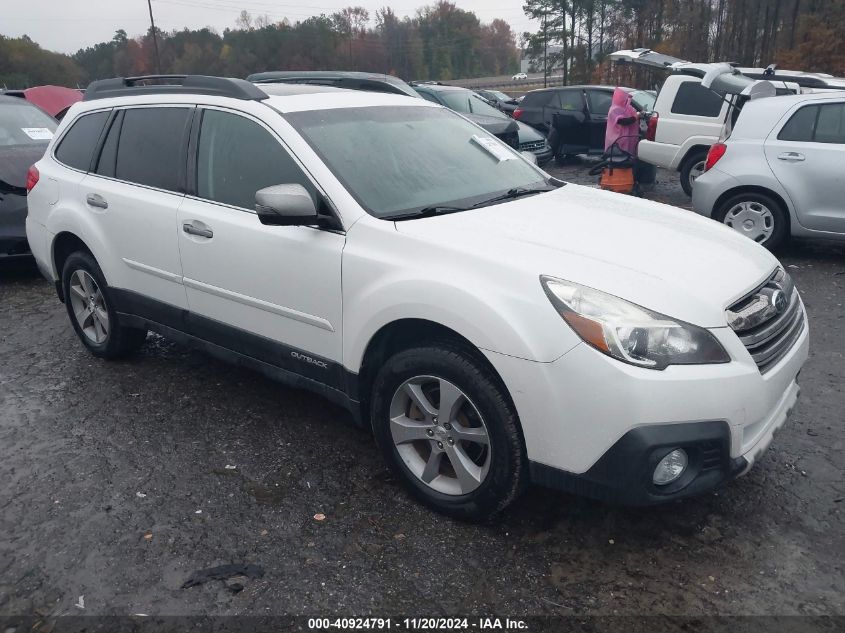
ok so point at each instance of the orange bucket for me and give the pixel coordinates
(618, 179)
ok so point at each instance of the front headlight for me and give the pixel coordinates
(630, 333)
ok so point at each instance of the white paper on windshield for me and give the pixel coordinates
(38, 133)
(493, 147)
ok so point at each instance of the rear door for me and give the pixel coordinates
(271, 292)
(598, 103)
(134, 192)
(806, 155)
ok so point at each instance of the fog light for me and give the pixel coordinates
(670, 467)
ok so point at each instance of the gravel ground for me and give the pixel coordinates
(121, 479)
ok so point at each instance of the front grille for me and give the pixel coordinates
(769, 321)
(533, 146)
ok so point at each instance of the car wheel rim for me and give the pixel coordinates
(440, 435)
(695, 172)
(753, 219)
(89, 307)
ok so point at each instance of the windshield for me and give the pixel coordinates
(501, 96)
(397, 160)
(644, 100)
(467, 102)
(24, 124)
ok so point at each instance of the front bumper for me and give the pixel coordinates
(597, 427)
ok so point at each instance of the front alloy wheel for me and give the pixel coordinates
(448, 429)
(440, 435)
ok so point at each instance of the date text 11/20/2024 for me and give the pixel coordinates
(417, 624)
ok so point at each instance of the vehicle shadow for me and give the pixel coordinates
(18, 269)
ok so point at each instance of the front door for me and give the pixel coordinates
(806, 156)
(270, 292)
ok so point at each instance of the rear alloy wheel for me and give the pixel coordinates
(693, 167)
(91, 310)
(448, 430)
(756, 216)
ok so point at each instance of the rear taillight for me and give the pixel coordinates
(714, 155)
(651, 127)
(31, 178)
(517, 114)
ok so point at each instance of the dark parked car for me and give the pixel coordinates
(25, 131)
(372, 82)
(475, 108)
(575, 117)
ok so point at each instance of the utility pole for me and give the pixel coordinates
(155, 39)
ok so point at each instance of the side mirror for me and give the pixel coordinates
(285, 205)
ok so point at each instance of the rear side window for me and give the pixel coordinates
(571, 100)
(693, 99)
(237, 157)
(816, 124)
(537, 99)
(150, 148)
(801, 126)
(77, 145)
(108, 155)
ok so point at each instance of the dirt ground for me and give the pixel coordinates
(121, 479)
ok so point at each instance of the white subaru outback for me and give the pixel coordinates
(492, 325)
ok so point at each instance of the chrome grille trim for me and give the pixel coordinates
(767, 334)
(533, 146)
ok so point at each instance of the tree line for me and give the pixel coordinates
(804, 35)
(440, 41)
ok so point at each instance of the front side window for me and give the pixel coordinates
(830, 127)
(397, 160)
(76, 147)
(693, 99)
(21, 123)
(236, 157)
(150, 148)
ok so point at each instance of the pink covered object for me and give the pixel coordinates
(619, 125)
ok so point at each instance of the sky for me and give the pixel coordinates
(68, 25)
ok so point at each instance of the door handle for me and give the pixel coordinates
(195, 230)
(792, 157)
(96, 200)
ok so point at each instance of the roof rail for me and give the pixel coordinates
(173, 84)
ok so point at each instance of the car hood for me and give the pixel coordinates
(528, 134)
(660, 257)
(15, 161)
(495, 125)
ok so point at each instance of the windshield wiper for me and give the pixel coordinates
(512, 194)
(426, 212)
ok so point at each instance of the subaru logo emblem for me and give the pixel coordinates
(779, 301)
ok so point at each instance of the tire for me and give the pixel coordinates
(755, 207)
(498, 470)
(98, 327)
(692, 167)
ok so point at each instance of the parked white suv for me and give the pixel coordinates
(492, 325)
(780, 172)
